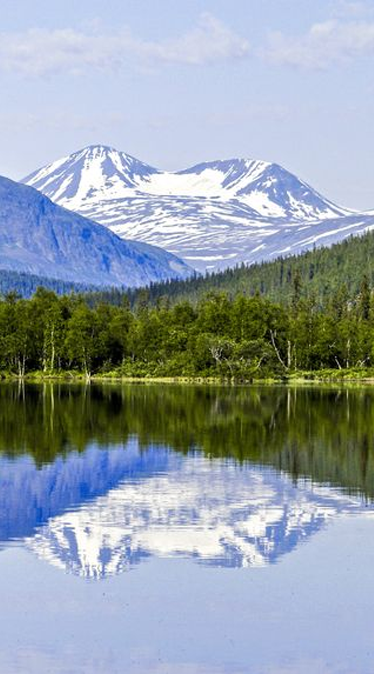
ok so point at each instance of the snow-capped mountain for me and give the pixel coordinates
(212, 215)
(38, 236)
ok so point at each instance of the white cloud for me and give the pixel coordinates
(42, 52)
(330, 42)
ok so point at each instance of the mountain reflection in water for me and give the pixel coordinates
(96, 479)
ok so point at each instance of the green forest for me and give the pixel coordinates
(310, 315)
(240, 339)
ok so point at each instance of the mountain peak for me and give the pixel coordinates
(96, 171)
(99, 173)
(102, 151)
(214, 214)
(99, 147)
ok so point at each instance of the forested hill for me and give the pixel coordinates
(25, 284)
(319, 273)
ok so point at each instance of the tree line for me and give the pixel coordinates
(242, 338)
(26, 284)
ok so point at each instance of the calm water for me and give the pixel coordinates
(186, 530)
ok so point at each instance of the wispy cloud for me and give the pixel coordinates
(42, 52)
(331, 42)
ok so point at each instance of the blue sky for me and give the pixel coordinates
(176, 82)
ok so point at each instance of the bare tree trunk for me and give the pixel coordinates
(337, 362)
(272, 337)
(52, 349)
(348, 351)
(289, 353)
(44, 363)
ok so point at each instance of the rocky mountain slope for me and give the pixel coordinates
(40, 237)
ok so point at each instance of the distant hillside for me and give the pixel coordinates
(320, 272)
(41, 238)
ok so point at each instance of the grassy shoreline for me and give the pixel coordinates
(349, 376)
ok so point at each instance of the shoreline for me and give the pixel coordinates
(296, 379)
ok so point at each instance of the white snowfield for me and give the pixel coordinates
(213, 215)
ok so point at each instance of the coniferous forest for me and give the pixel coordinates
(26, 284)
(320, 273)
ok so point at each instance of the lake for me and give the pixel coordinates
(186, 529)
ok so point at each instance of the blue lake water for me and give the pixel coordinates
(186, 530)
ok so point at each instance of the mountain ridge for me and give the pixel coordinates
(213, 215)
